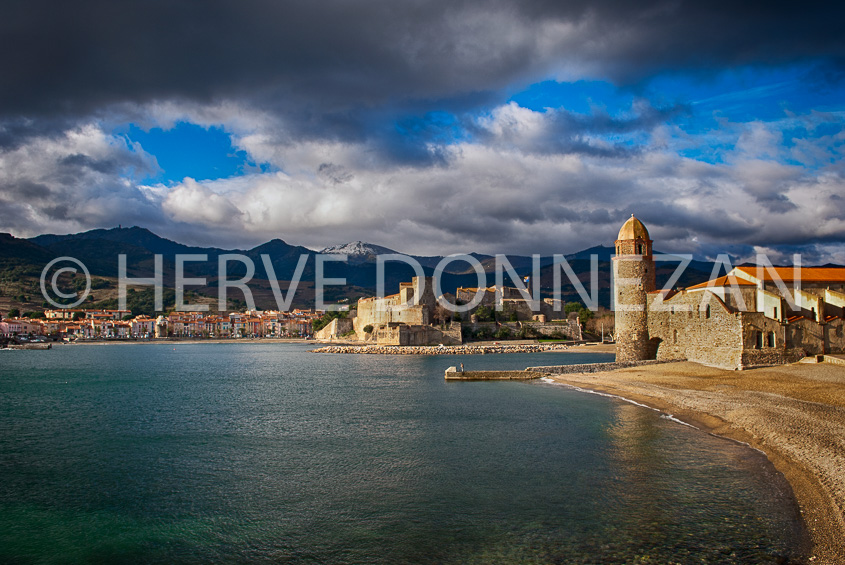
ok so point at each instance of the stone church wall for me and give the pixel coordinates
(680, 328)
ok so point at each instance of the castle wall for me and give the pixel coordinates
(570, 329)
(525, 313)
(398, 308)
(383, 311)
(419, 335)
(335, 329)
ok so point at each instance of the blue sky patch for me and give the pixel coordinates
(189, 150)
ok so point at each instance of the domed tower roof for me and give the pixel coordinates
(633, 229)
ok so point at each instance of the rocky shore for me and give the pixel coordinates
(466, 349)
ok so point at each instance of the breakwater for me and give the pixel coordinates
(465, 349)
(453, 374)
(591, 367)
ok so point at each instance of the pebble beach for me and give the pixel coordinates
(795, 414)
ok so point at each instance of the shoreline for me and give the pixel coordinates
(177, 341)
(473, 348)
(793, 414)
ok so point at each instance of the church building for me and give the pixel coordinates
(752, 316)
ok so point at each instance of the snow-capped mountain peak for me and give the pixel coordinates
(358, 249)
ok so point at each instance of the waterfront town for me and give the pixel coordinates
(71, 325)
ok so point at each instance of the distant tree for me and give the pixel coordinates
(441, 314)
(584, 313)
(14, 313)
(485, 314)
(368, 329)
(128, 317)
(527, 331)
(99, 283)
(484, 333)
(572, 307)
(503, 333)
(326, 319)
(602, 322)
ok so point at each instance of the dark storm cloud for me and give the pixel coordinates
(25, 188)
(319, 61)
(379, 108)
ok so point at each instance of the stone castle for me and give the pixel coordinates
(410, 317)
(750, 317)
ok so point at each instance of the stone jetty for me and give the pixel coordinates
(453, 374)
(466, 349)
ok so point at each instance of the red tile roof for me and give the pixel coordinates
(722, 282)
(807, 274)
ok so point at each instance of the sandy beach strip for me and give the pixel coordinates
(795, 414)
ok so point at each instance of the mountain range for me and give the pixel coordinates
(99, 249)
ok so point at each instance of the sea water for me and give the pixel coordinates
(262, 452)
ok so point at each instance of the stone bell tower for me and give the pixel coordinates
(633, 275)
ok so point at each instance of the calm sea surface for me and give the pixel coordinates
(244, 452)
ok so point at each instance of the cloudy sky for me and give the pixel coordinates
(431, 127)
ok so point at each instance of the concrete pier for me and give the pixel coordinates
(453, 374)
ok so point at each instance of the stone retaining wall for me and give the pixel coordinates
(591, 367)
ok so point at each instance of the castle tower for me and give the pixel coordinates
(633, 275)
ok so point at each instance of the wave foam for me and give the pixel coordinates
(664, 415)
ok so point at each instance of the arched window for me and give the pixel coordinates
(707, 311)
(675, 336)
(770, 339)
(758, 338)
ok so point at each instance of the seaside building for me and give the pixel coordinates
(404, 318)
(750, 317)
(414, 317)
